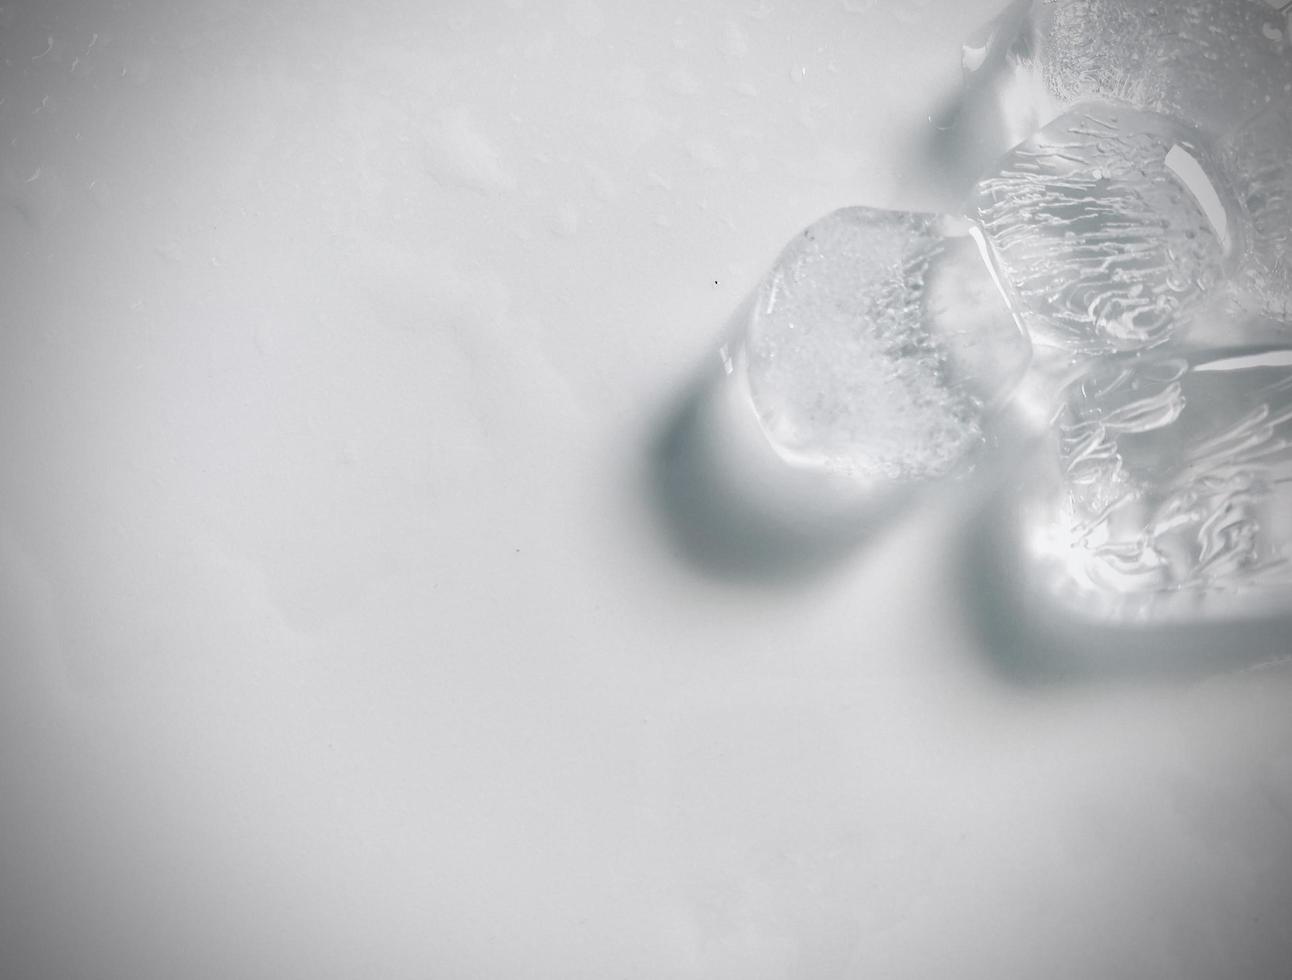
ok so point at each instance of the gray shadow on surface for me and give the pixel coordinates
(967, 132)
(1031, 642)
(730, 507)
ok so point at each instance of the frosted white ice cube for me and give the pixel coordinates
(879, 345)
(1164, 492)
(1109, 228)
(1211, 63)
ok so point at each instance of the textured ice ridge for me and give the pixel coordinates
(879, 345)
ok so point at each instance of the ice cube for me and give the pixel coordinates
(1164, 491)
(1108, 228)
(1211, 63)
(1258, 161)
(879, 345)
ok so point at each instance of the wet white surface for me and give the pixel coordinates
(357, 609)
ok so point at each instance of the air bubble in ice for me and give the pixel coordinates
(1165, 490)
(878, 346)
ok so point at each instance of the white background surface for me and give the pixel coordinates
(349, 624)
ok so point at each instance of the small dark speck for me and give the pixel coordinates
(715, 282)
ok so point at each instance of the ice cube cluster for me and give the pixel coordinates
(1136, 234)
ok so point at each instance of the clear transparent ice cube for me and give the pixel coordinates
(1164, 491)
(1109, 228)
(879, 345)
